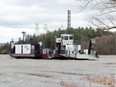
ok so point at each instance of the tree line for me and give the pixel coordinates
(105, 40)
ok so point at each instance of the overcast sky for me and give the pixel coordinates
(22, 15)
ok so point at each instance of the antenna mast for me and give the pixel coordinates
(69, 20)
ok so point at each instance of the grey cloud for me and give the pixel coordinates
(45, 11)
(28, 2)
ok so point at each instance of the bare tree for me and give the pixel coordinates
(106, 12)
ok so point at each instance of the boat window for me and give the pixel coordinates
(65, 38)
(62, 37)
(71, 37)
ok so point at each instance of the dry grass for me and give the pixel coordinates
(68, 84)
(105, 80)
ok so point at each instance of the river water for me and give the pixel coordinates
(57, 73)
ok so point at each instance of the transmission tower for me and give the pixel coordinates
(45, 28)
(36, 29)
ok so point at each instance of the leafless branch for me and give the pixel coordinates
(105, 7)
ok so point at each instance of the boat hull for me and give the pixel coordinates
(79, 56)
(32, 56)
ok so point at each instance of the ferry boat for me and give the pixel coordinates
(30, 51)
(64, 49)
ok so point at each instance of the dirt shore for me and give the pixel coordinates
(57, 73)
